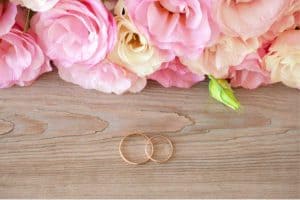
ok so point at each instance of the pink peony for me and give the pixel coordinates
(182, 27)
(175, 74)
(22, 60)
(283, 59)
(8, 12)
(288, 21)
(36, 5)
(105, 76)
(75, 32)
(216, 60)
(250, 73)
(248, 18)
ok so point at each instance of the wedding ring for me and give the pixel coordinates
(149, 155)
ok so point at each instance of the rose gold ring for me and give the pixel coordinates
(150, 154)
(147, 154)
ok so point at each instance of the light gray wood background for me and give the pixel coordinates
(60, 141)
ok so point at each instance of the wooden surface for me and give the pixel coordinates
(60, 141)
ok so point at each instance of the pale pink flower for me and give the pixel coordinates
(183, 27)
(289, 20)
(22, 60)
(80, 32)
(283, 59)
(216, 60)
(175, 74)
(248, 18)
(105, 77)
(250, 73)
(8, 12)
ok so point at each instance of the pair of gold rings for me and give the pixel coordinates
(149, 153)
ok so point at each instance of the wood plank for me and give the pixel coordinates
(60, 141)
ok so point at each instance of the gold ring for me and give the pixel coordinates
(150, 155)
(147, 154)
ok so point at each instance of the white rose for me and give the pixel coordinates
(36, 5)
(133, 51)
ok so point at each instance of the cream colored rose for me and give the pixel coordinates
(120, 9)
(216, 60)
(283, 59)
(133, 51)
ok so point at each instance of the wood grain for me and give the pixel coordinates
(60, 141)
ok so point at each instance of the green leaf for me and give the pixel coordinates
(220, 90)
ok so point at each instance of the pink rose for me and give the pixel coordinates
(250, 73)
(182, 27)
(8, 12)
(36, 5)
(80, 32)
(216, 60)
(175, 74)
(105, 76)
(283, 59)
(248, 18)
(22, 60)
(288, 21)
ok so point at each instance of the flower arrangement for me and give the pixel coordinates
(116, 46)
